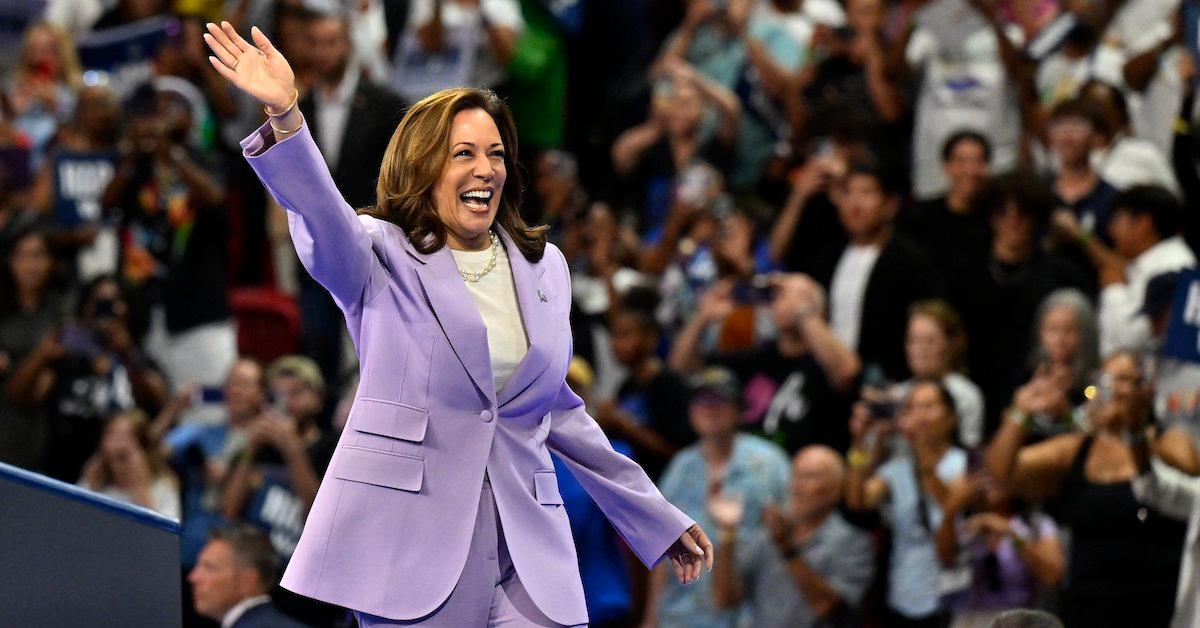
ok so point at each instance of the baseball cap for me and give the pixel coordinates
(718, 381)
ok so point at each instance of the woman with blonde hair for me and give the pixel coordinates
(935, 346)
(44, 84)
(441, 504)
(128, 465)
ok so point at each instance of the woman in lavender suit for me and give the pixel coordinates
(440, 506)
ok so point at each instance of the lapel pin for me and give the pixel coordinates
(542, 296)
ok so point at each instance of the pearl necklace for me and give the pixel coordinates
(475, 277)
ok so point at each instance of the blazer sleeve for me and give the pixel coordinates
(641, 515)
(331, 240)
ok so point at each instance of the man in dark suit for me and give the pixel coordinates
(352, 121)
(874, 278)
(232, 579)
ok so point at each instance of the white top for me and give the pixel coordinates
(466, 57)
(164, 496)
(1134, 161)
(1177, 495)
(1121, 327)
(234, 614)
(847, 290)
(963, 88)
(333, 112)
(496, 297)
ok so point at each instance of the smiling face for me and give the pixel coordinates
(966, 167)
(467, 195)
(926, 417)
(926, 346)
(863, 206)
(1059, 334)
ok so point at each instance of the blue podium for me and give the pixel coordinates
(70, 557)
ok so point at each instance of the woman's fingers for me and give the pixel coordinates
(222, 69)
(678, 564)
(690, 543)
(222, 39)
(706, 546)
(223, 55)
(261, 41)
(233, 36)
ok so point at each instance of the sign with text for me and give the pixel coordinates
(1183, 331)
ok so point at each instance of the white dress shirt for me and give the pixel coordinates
(234, 614)
(333, 112)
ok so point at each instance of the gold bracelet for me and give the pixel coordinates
(857, 458)
(295, 99)
(282, 132)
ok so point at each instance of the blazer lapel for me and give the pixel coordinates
(458, 315)
(538, 316)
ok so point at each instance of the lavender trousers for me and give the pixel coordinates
(488, 592)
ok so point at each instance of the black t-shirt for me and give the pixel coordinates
(660, 404)
(87, 392)
(949, 238)
(998, 303)
(174, 252)
(818, 229)
(789, 399)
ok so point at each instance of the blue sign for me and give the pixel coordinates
(1183, 332)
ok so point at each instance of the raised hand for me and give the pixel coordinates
(259, 69)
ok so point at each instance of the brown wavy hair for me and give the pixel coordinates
(416, 157)
(952, 327)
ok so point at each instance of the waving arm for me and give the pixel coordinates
(330, 239)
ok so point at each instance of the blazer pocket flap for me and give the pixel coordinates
(545, 488)
(387, 418)
(380, 468)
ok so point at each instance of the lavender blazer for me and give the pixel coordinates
(392, 522)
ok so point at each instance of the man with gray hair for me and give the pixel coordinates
(808, 567)
(232, 578)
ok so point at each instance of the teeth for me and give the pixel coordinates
(479, 194)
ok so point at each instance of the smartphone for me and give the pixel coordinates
(79, 340)
(756, 290)
(208, 395)
(104, 308)
(884, 406)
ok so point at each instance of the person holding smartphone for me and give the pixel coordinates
(913, 480)
(1125, 555)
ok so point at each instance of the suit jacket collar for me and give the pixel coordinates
(464, 328)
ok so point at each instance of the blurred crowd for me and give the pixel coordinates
(895, 297)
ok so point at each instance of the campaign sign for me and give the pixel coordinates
(1183, 332)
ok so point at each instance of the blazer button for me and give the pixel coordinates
(486, 415)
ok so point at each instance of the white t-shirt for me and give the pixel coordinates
(466, 58)
(1121, 324)
(965, 88)
(164, 496)
(496, 297)
(848, 289)
(1134, 161)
